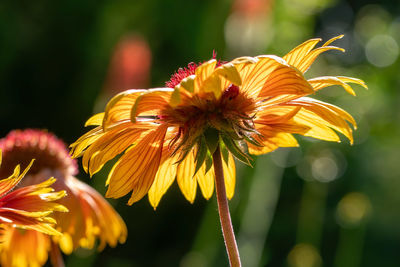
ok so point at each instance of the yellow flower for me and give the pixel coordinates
(28, 207)
(254, 102)
(90, 218)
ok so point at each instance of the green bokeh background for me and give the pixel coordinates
(54, 60)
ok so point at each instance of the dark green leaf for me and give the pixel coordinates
(212, 139)
(235, 150)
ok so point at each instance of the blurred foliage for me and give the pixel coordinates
(322, 204)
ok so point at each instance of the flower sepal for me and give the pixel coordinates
(235, 149)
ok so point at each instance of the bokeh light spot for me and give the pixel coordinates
(382, 50)
(324, 169)
(352, 209)
(304, 255)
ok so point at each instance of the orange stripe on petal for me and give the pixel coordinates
(327, 114)
(254, 74)
(276, 114)
(84, 141)
(8, 184)
(136, 169)
(271, 141)
(322, 82)
(285, 80)
(304, 55)
(187, 183)
(206, 181)
(111, 144)
(301, 51)
(150, 102)
(119, 107)
(203, 72)
(164, 178)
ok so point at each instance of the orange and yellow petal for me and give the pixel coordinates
(119, 107)
(304, 55)
(136, 169)
(164, 178)
(202, 74)
(110, 144)
(185, 177)
(206, 181)
(229, 176)
(322, 117)
(91, 217)
(273, 142)
(271, 76)
(325, 81)
(29, 207)
(9, 183)
(24, 248)
(95, 120)
(151, 102)
(80, 145)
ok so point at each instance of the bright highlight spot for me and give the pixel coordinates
(324, 169)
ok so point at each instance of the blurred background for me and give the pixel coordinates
(323, 204)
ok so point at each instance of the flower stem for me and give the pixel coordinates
(56, 258)
(223, 210)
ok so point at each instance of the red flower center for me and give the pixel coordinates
(182, 73)
(19, 147)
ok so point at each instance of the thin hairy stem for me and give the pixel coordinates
(223, 210)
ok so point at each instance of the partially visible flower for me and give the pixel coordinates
(23, 248)
(129, 65)
(28, 207)
(256, 103)
(90, 218)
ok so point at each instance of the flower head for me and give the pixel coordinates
(248, 105)
(28, 207)
(90, 218)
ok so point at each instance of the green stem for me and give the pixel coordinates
(223, 210)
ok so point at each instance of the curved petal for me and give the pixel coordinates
(301, 51)
(91, 217)
(136, 169)
(78, 147)
(24, 248)
(9, 183)
(272, 141)
(229, 72)
(271, 76)
(318, 115)
(185, 177)
(119, 107)
(150, 102)
(164, 178)
(111, 144)
(304, 55)
(229, 176)
(202, 73)
(29, 207)
(322, 82)
(95, 120)
(206, 181)
(183, 91)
